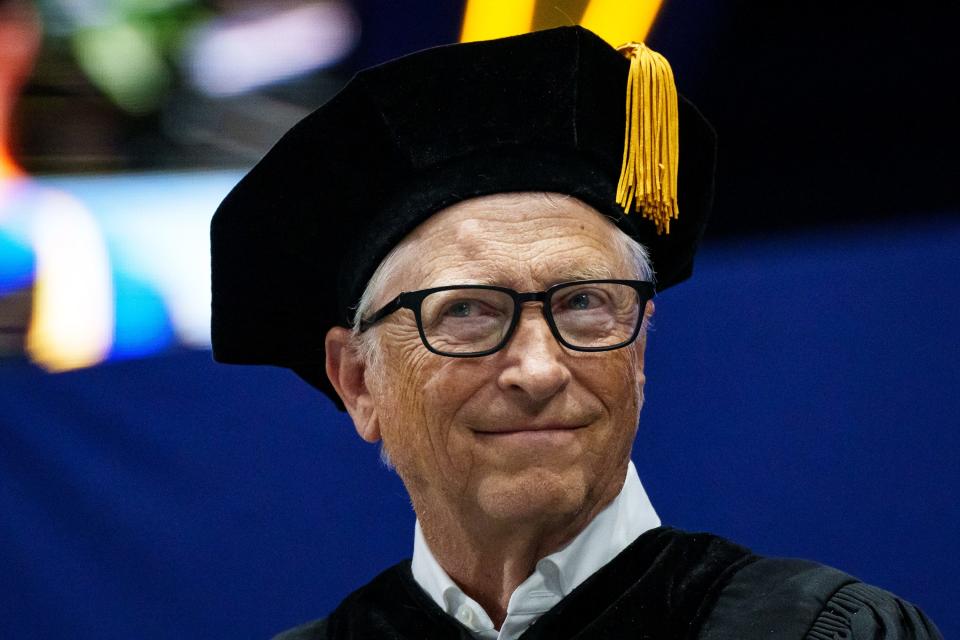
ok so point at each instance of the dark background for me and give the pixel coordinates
(826, 112)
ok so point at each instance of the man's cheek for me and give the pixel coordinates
(406, 362)
(444, 391)
(607, 372)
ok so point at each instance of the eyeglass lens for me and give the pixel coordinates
(589, 315)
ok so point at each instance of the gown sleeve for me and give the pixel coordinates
(860, 611)
(795, 599)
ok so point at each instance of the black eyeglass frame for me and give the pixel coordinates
(413, 300)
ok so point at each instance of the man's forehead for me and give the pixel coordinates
(512, 237)
(506, 212)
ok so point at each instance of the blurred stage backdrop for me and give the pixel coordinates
(803, 390)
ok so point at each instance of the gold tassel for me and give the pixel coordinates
(651, 146)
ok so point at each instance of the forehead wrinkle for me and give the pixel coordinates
(592, 259)
(474, 252)
(573, 270)
(476, 272)
(477, 242)
(549, 258)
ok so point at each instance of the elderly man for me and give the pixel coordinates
(460, 249)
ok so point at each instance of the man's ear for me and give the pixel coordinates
(347, 373)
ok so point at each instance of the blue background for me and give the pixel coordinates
(802, 399)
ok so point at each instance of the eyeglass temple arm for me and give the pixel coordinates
(383, 312)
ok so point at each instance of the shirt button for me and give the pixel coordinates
(465, 615)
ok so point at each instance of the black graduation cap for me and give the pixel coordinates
(295, 242)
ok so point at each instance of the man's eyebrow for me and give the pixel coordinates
(582, 272)
(555, 275)
(490, 279)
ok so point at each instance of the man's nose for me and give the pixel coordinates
(534, 363)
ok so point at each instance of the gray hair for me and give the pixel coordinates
(366, 344)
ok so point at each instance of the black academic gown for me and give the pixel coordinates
(667, 585)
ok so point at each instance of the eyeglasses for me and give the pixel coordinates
(470, 320)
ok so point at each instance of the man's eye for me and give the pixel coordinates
(462, 309)
(579, 301)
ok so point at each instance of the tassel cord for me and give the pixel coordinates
(648, 175)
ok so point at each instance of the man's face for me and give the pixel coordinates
(534, 431)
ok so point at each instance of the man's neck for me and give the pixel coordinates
(489, 560)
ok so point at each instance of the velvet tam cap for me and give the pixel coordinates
(294, 244)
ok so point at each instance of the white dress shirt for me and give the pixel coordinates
(628, 516)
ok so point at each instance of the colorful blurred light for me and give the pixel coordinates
(119, 265)
(619, 22)
(616, 21)
(72, 322)
(234, 55)
(125, 62)
(16, 263)
(489, 19)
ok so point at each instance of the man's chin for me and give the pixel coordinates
(532, 494)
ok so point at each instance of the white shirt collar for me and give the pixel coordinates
(621, 522)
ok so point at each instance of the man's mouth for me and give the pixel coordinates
(533, 428)
(534, 436)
